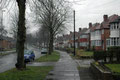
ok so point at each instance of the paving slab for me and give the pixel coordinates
(65, 69)
(41, 64)
(85, 73)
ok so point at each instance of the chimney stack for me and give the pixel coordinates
(90, 25)
(80, 29)
(105, 17)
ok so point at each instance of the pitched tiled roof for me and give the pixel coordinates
(72, 34)
(95, 26)
(82, 31)
(105, 24)
(116, 20)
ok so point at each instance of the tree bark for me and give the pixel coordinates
(21, 35)
(51, 43)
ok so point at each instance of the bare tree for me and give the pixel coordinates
(21, 35)
(43, 37)
(14, 24)
(52, 14)
(4, 3)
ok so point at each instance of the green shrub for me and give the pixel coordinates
(99, 55)
(114, 52)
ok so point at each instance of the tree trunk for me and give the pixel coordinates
(51, 44)
(21, 35)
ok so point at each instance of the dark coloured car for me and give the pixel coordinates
(29, 55)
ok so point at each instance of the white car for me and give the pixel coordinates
(44, 51)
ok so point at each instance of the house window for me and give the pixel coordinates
(112, 41)
(112, 26)
(108, 42)
(115, 41)
(102, 31)
(117, 25)
(93, 43)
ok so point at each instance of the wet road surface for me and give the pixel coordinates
(7, 62)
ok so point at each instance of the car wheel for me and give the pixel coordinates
(33, 59)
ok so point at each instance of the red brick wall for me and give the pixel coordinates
(104, 37)
(98, 48)
(5, 44)
(83, 40)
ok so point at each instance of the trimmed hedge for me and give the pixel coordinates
(100, 55)
(112, 53)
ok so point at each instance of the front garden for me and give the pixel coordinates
(80, 53)
(107, 64)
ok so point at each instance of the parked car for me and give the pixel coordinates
(29, 55)
(44, 51)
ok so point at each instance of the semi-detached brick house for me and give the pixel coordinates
(59, 42)
(114, 33)
(83, 38)
(98, 35)
(71, 40)
(95, 36)
(105, 29)
(6, 43)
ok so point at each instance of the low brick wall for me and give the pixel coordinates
(100, 74)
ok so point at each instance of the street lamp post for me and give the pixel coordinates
(74, 32)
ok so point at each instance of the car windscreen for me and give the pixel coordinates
(27, 52)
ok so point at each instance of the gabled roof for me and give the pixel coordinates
(72, 34)
(82, 31)
(105, 24)
(116, 20)
(95, 26)
(66, 37)
(98, 27)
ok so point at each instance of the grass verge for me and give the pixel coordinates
(78, 67)
(55, 56)
(84, 53)
(3, 54)
(114, 67)
(31, 73)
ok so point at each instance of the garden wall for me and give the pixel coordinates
(100, 74)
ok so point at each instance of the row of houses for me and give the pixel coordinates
(99, 36)
(6, 43)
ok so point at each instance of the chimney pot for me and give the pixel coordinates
(90, 25)
(80, 29)
(105, 17)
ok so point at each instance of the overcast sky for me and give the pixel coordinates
(86, 11)
(93, 10)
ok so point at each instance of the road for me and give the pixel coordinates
(7, 62)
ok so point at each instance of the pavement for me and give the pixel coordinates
(41, 64)
(84, 72)
(65, 69)
(84, 62)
